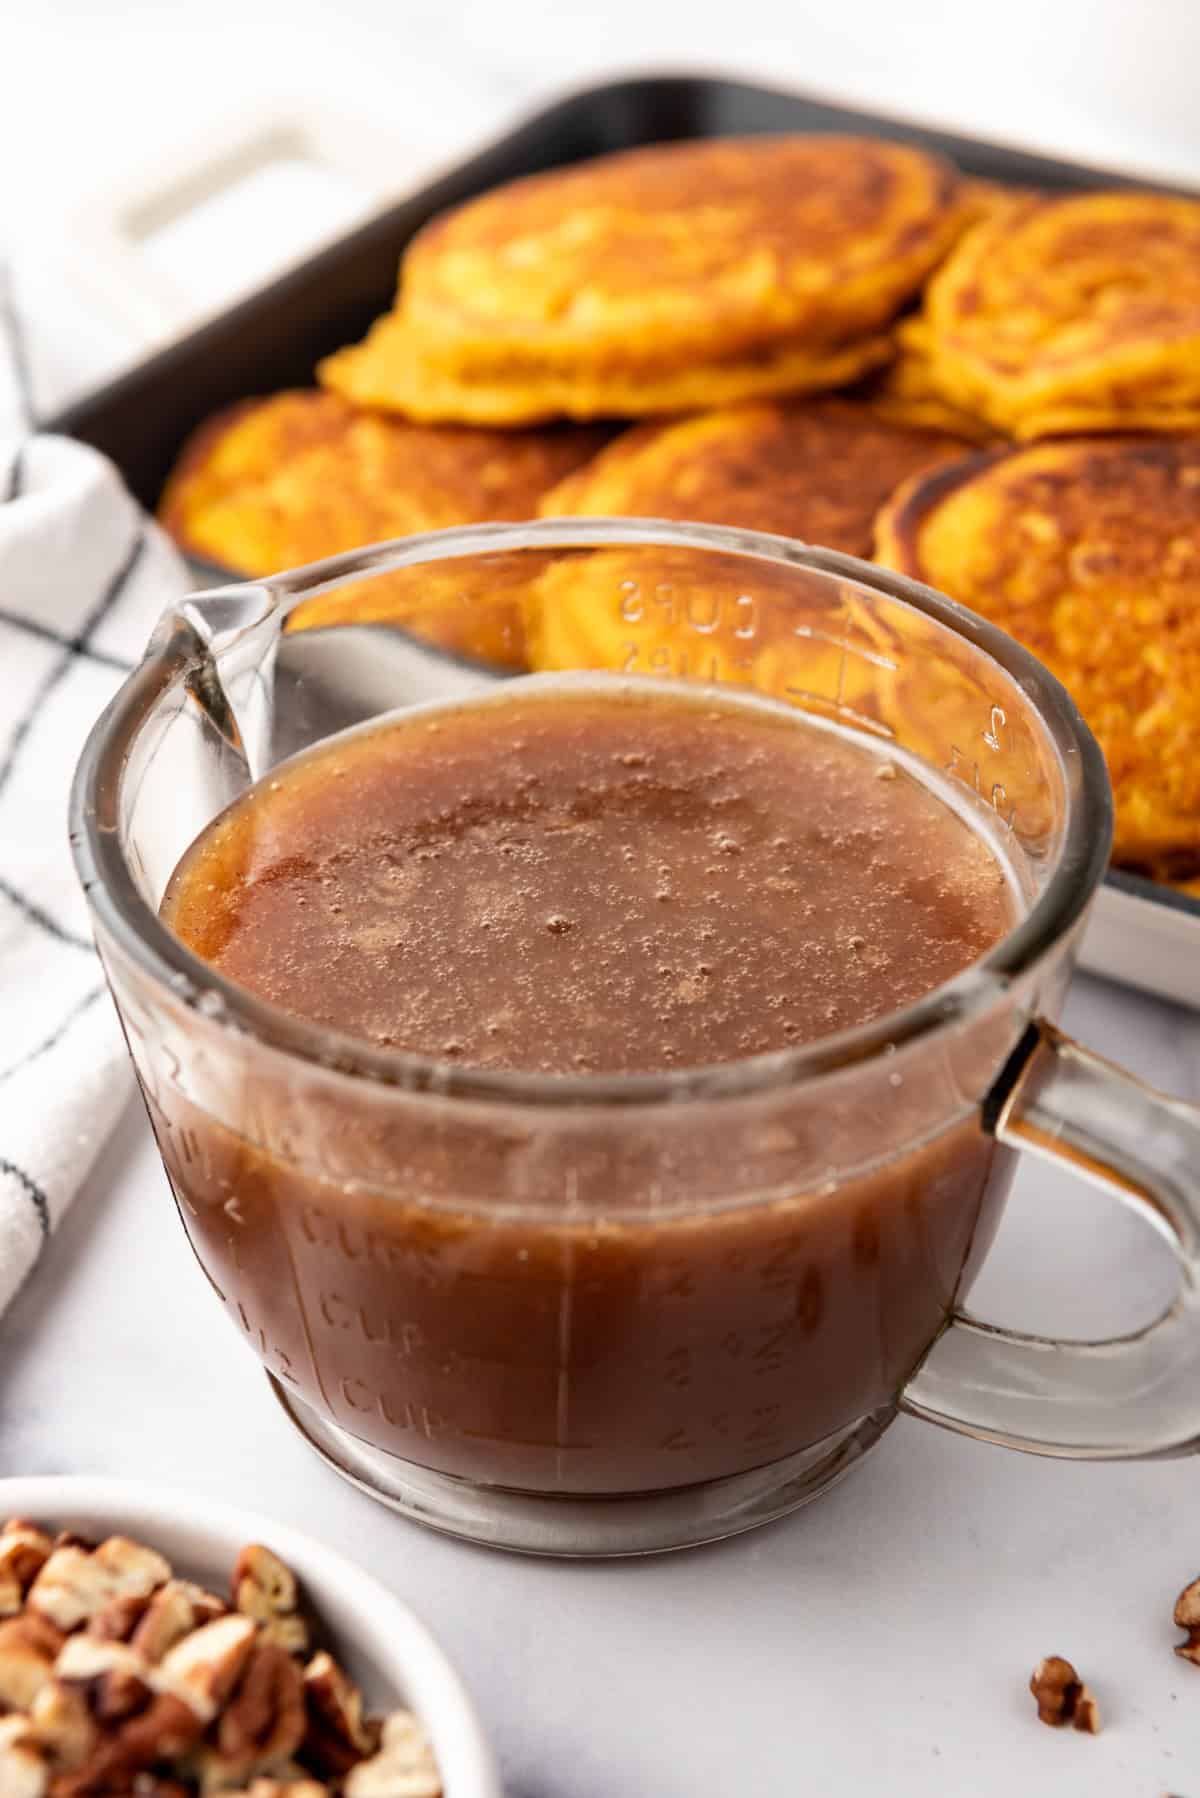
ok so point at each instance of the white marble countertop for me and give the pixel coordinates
(885, 1635)
(883, 1638)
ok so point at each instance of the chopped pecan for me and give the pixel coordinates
(63, 1725)
(24, 1551)
(23, 1769)
(1062, 1697)
(265, 1589)
(174, 1612)
(117, 1620)
(166, 1729)
(404, 1766)
(338, 1735)
(114, 1680)
(1187, 1616)
(111, 1721)
(263, 1721)
(74, 1584)
(207, 1606)
(206, 1665)
(153, 1785)
(28, 1648)
(127, 1683)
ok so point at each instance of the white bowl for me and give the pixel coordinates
(373, 1635)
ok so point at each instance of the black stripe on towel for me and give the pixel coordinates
(21, 729)
(33, 914)
(34, 627)
(113, 591)
(58, 673)
(37, 1197)
(56, 1035)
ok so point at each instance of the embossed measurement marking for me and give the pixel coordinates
(698, 609)
(847, 652)
(966, 768)
(423, 1420)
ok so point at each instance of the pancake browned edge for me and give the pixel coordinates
(1072, 314)
(279, 482)
(1088, 552)
(395, 369)
(658, 280)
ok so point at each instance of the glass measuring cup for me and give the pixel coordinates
(595, 1314)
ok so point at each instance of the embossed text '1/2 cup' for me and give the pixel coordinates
(584, 1314)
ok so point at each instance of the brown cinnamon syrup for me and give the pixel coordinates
(590, 880)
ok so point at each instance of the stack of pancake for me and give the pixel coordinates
(717, 292)
(1073, 325)
(659, 281)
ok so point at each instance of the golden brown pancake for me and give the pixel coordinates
(814, 469)
(906, 391)
(817, 470)
(1088, 552)
(660, 279)
(286, 480)
(279, 482)
(1074, 314)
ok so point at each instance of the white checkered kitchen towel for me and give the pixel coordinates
(83, 575)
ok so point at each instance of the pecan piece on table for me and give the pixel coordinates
(1187, 1616)
(1062, 1698)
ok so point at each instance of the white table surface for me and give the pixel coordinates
(882, 1640)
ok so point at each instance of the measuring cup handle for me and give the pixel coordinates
(1127, 1397)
